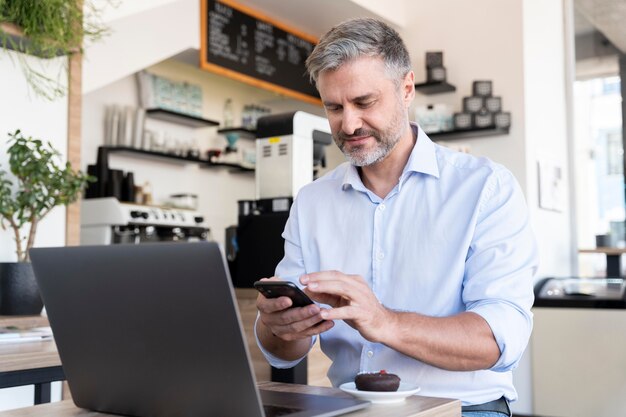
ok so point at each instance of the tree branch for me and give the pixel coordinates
(31, 237)
(18, 239)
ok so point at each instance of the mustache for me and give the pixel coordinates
(358, 133)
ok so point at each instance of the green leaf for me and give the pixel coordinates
(42, 182)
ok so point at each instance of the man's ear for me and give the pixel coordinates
(408, 88)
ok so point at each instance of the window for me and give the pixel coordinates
(614, 154)
(599, 167)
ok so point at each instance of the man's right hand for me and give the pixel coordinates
(287, 323)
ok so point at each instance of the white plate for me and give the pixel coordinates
(381, 397)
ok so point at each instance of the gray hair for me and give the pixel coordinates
(360, 37)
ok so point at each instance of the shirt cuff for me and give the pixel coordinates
(273, 360)
(511, 327)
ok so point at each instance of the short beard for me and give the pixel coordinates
(359, 156)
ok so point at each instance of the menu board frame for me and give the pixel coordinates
(205, 64)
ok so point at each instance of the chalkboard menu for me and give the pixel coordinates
(245, 45)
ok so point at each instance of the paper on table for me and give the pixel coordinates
(15, 335)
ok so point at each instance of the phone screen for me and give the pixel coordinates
(275, 289)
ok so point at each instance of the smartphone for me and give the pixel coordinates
(275, 289)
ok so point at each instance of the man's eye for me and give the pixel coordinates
(365, 105)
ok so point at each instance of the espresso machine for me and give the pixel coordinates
(106, 221)
(290, 148)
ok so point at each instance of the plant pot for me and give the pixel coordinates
(19, 294)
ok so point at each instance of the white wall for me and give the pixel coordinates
(139, 37)
(546, 137)
(21, 109)
(394, 11)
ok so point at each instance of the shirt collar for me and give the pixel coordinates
(352, 179)
(422, 159)
(423, 156)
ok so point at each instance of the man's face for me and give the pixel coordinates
(366, 109)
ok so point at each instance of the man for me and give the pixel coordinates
(421, 258)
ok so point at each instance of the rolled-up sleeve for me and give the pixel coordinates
(500, 266)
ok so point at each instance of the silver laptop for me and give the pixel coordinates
(153, 330)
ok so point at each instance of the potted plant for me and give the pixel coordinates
(42, 182)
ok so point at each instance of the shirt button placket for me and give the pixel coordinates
(376, 245)
(380, 255)
(367, 354)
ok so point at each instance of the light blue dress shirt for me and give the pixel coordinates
(452, 236)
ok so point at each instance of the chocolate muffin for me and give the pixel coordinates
(377, 381)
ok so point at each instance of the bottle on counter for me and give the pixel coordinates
(147, 193)
(128, 188)
(228, 116)
(102, 172)
(246, 117)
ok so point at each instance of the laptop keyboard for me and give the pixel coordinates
(274, 410)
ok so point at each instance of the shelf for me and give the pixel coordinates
(604, 250)
(242, 131)
(469, 133)
(204, 163)
(179, 118)
(18, 42)
(161, 155)
(613, 259)
(435, 88)
(235, 167)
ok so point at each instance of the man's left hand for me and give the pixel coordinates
(352, 300)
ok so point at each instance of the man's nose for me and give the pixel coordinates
(350, 121)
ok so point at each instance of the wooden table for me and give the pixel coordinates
(415, 406)
(613, 259)
(30, 363)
